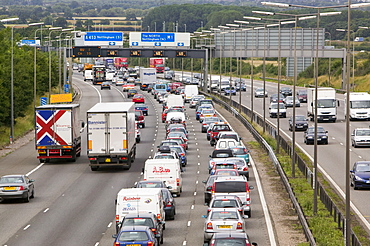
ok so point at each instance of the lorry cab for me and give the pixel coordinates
(167, 170)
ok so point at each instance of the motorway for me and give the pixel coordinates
(75, 206)
(331, 157)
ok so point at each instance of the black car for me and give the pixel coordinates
(208, 188)
(286, 91)
(301, 123)
(360, 175)
(230, 238)
(322, 135)
(143, 219)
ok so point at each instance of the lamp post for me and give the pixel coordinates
(63, 31)
(35, 64)
(353, 55)
(49, 50)
(11, 82)
(185, 27)
(329, 72)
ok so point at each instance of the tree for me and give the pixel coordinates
(61, 21)
(74, 5)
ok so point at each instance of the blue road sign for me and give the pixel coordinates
(28, 42)
(180, 44)
(66, 88)
(135, 43)
(104, 36)
(43, 101)
(157, 37)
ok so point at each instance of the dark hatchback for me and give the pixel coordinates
(322, 135)
(286, 91)
(301, 123)
(360, 175)
(302, 95)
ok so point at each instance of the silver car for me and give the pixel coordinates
(16, 187)
(360, 137)
(223, 220)
(260, 92)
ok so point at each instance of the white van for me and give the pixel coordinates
(88, 75)
(190, 91)
(167, 170)
(174, 101)
(177, 116)
(135, 200)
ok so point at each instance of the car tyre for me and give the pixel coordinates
(94, 168)
(33, 194)
(27, 199)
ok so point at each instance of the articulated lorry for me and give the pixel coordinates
(58, 132)
(111, 135)
(359, 105)
(158, 64)
(120, 62)
(326, 104)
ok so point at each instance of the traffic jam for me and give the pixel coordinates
(142, 211)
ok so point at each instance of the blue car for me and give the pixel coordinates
(136, 235)
(241, 151)
(182, 153)
(230, 90)
(142, 107)
(360, 175)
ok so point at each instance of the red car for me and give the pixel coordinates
(138, 98)
(180, 141)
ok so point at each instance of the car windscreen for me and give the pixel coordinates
(224, 166)
(230, 186)
(239, 151)
(133, 236)
(164, 157)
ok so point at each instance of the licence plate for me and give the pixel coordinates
(224, 226)
(10, 188)
(299, 126)
(107, 160)
(133, 244)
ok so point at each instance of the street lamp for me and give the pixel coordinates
(49, 50)
(353, 56)
(34, 63)
(11, 82)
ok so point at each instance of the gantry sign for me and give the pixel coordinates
(97, 51)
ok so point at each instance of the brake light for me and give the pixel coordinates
(214, 115)
(159, 216)
(169, 204)
(154, 230)
(150, 243)
(182, 154)
(234, 166)
(123, 158)
(117, 218)
(239, 226)
(178, 182)
(201, 115)
(117, 244)
(245, 169)
(21, 187)
(209, 226)
(92, 159)
(204, 124)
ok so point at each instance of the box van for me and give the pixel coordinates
(88, 75)
(134, 200)
(233, 185)
(167, 170)
(190, 91)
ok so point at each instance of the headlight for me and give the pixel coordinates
(311, 137)
(324, 136)
(358, 178)
(305, 124)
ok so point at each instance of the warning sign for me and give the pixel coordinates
(61, 98)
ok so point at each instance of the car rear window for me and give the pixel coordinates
(229, 241)
(224, 215)
(230, 186)
(138, 222)
(133, 236)
(224, 166)
(224, 204)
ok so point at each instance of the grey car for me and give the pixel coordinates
(16, 187)
(223, 220)
(360, 137)
(207, 121)
(289, 101)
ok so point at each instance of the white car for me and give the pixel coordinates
(273, 110)
(260, 92)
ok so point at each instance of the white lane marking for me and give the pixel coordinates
(360, 157)
(198, 156)
(96, 244)
(27, 226)
(341, 143)
(198, 163)
(189, 223)
(35, 169)
(135, 183)
(197, 172)
(109, 225)
(270, 228)
(195, 138)
(184, 243)
(195, 193)
(197, 144)
(196, 182)
(46, 210)
(192, 207)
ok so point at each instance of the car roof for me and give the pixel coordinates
(141, 215)
(229, 235)
(134, 228)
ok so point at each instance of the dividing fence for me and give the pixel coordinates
(239, 111)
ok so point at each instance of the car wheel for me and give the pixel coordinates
(27, 199)
(94, 168)
(355, 187)
(33, 194)
(249, 213)
(161, 241)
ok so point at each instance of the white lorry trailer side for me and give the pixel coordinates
(359, 105)
(326, 104)
(111, 134)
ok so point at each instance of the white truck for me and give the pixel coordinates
(58, 132)
(359, 107)
(148, 76)
(111, 134)
(326, 104)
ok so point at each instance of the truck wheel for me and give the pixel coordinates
(94, 168)
(41, 160)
